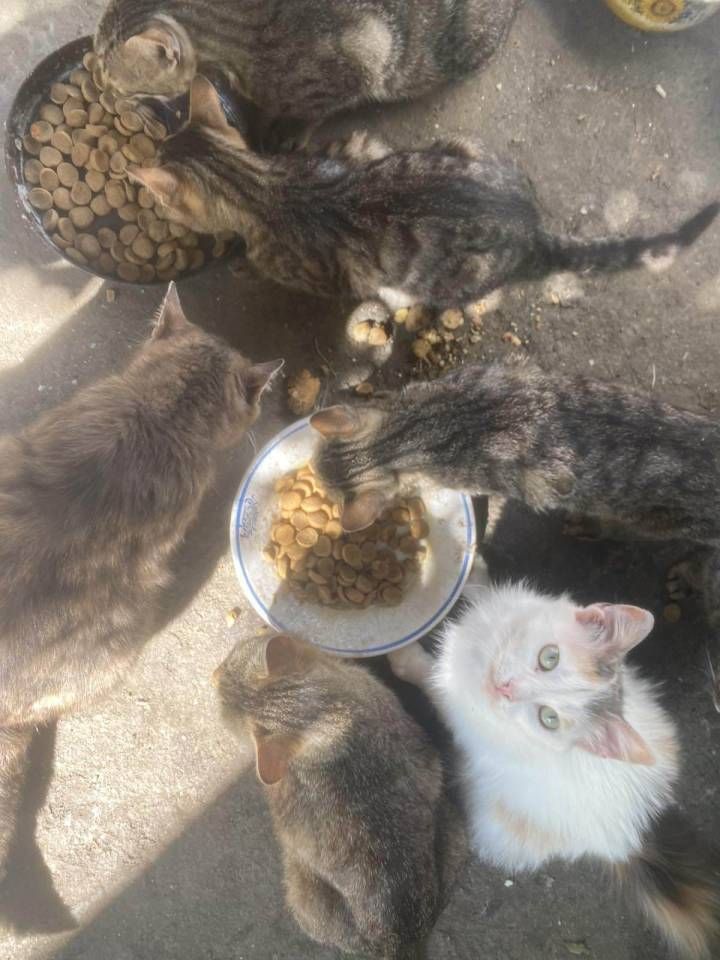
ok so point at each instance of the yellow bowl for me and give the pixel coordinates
(660, 16)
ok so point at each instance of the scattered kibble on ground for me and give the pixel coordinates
(302, 393)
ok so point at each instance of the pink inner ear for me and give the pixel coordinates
(615, 739)
(591, 616)
(336, 421)
(623, 626)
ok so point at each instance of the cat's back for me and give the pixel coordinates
(77, 504)
(371, 772)
(450, 182)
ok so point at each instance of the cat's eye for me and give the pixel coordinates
(549, 657)
(549, 718)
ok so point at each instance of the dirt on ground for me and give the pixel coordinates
(145, 835)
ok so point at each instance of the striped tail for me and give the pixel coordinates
(677, 888)
(614, 253)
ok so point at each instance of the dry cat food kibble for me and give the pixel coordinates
(320, 562)
(77, 153)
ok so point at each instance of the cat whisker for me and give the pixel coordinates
(713, 678)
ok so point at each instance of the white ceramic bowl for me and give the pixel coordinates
(350, 633)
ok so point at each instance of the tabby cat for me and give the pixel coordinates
(371, 843)
(301, 60)
(592, 448)
(94, 497)
(443, 226)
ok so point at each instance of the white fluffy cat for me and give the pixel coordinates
(567, 750)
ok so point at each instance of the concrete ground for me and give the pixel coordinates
(145, 835)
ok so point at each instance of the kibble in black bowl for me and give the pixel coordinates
(68, 150)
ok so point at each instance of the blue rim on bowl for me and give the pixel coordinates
(244, 545)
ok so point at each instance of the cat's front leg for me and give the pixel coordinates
(14, 757)
(413, 664)
(360, 147)
(369, 338)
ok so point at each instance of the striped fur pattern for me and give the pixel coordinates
(443, 226)
(303, 59)
(588, 447)
(94, 498)
(371, 843)
(600, 782)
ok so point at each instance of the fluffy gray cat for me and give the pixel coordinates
(94, 498)
(592, 448)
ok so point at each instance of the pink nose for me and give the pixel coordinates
(505, 690)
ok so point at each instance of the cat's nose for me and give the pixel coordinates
(505, 689)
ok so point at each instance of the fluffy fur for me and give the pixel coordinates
(301, 60)
(556, 443)
(443, 226)
(370, 842)
(94, 498)
(601, 783)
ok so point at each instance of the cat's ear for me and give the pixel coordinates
(153, 46)
(344, 421)
(259, 377)
(273, 753)
(618, 627)
(339, 421)
(362, 510)
(205, 106)
(285, 655)
(161, 183)
(614, 739)
(171, 318)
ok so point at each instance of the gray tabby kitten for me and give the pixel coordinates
(94, 498)
(370, 842)
(443, 226)
(299, 60)
(571, 443)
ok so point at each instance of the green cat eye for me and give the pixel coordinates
(549, 718)
(549, 657)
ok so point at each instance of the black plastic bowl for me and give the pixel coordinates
(35, 91)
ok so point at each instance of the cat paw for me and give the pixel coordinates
(683, 579)
(369, 332)
(477, 311)
(411, 663)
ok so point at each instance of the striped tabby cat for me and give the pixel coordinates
(443, 226)
(299, 60)
(593, 448)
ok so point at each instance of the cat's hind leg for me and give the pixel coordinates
(320, 910)
(14, 759)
